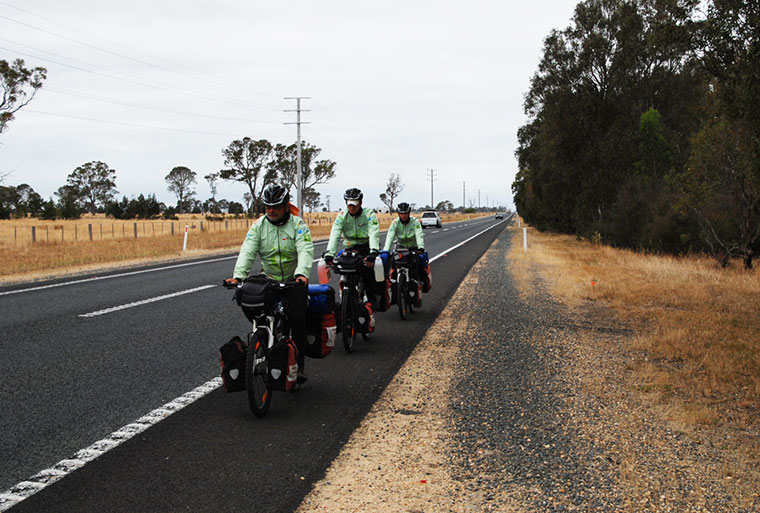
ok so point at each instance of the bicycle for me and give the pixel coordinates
(350, 265)
(403, 260)
(270, 326)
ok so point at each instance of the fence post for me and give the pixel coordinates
(76, 233)
(62, 239)
(172, 223)
(201, 226)
(226, 225)
(15, 239)
(89, 229)
(47, 233)
(34, 234)
(135, 228)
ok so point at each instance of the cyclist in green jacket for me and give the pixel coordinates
(283, 242)
(407, 230)
(360, 230)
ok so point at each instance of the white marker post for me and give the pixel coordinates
(184, 244)
(525, 240)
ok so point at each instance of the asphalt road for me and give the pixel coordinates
(69, 380)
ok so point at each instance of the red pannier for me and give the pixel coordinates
(321, 329)
(283, 365)
(365, 318)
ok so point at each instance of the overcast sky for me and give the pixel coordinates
(395, 86)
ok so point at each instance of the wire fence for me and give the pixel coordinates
(30, 231)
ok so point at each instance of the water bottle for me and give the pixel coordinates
(323, 272)
(379, 269)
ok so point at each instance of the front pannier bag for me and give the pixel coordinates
(232, 358)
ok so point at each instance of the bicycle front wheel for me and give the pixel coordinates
(347, 312)
(256, 369)
(401, 295)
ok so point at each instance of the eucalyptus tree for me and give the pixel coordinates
(19, 85)
(94, 183)
(248, 161)
(180, 181)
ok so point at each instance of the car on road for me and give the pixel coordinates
(499, 215)
(431, 218)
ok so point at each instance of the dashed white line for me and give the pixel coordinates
(145, 301)
(46, 477)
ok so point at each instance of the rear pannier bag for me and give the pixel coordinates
(427, 280)
(320, 335)
(232, 358)
(385, 295)
(282, 361)
(365, 318)
(321, 299)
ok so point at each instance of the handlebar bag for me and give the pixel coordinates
(321, 299)
(349, 262)
(232, 358)
(254, 293)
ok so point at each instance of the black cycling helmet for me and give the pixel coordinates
(403, 208)
(274, 195)
(353, 194)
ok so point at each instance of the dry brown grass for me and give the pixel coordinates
(66, 246)
(697, 325)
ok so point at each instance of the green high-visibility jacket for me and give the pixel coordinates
(409, 235)
(286, 251)
(362, 229)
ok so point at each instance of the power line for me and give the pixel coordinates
(135, 125)
(145, 107)
(143, 84)
(104, 50)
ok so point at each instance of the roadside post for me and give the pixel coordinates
(525, 240)
(184, 244)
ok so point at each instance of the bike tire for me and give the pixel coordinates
(347, 313)
(401, 295)
(259, 396)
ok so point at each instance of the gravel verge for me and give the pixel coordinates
(512, 402)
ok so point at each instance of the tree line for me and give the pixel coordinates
(91, 187)
(644, 128)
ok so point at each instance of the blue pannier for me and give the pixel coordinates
(321, 299)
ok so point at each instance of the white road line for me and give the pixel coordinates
(463, 242)
(145, 301)
(46, 477)
(96, 278)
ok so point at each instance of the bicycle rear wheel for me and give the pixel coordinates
(256, 369)
(401, 295)
(347, 313)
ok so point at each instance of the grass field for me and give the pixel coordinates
(696, 323)
(95, 241)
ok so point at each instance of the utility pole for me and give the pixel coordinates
(464, 187)
(299, 178)
(431, 178)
